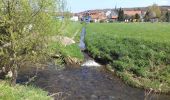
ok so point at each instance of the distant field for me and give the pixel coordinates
(149, 31)
(138, 52)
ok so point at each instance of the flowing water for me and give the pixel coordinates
(84, 83)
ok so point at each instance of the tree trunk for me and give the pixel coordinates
(15, 75)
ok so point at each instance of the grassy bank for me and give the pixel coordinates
(71, 30)
(22, 93)
(139, 52)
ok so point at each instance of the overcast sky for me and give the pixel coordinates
(81, 5)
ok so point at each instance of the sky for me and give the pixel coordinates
(82, 5)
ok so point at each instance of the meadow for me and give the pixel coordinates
(138, 52)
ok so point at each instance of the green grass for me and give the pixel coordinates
(139, 52)
(159, 32)
(71, 30)
(22, 93)
(66, 51)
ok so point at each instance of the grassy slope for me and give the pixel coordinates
(22, 93)
(73, 50)
(140, 52)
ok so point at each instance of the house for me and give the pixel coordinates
(74, 18)
(112, 15)
(97, 16)
(129, 15)
(132, 12)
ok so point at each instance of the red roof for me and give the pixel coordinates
(114, 17)
(132, 12)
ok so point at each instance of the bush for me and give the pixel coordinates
(91, 21)
(101, 21)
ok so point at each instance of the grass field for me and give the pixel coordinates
(148, 31)
(139, 52)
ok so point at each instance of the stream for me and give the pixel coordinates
(84, 83)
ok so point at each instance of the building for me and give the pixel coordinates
(97, 16)
(74, 18)
(132, 12)
(112, 15)
(129, 15)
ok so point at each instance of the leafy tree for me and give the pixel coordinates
(155, 9)
(120, 15)
(137, 17)
(23, 25)
(147, 16)
(167, 16)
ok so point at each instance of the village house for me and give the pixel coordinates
(74, 18)
(130, 13)
(97, 16)
(112, 15)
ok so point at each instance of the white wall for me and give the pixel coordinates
(74, 18)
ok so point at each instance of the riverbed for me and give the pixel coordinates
(84, 83)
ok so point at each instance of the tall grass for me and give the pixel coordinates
(22, 93)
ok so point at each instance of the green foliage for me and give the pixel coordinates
(135, 49)
(22, 93)
(137, 17)
(120, 15)
(147, 16)
(23, 26)
(167, 16)
(155, 9)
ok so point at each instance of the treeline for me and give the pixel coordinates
(154, 13)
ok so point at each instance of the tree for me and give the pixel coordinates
(137, 17)
(120, 15)
(156, 10)
(147, 16)
(23, 24)
(167, 16)
(153, 12)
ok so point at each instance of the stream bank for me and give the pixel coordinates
(84, 83)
